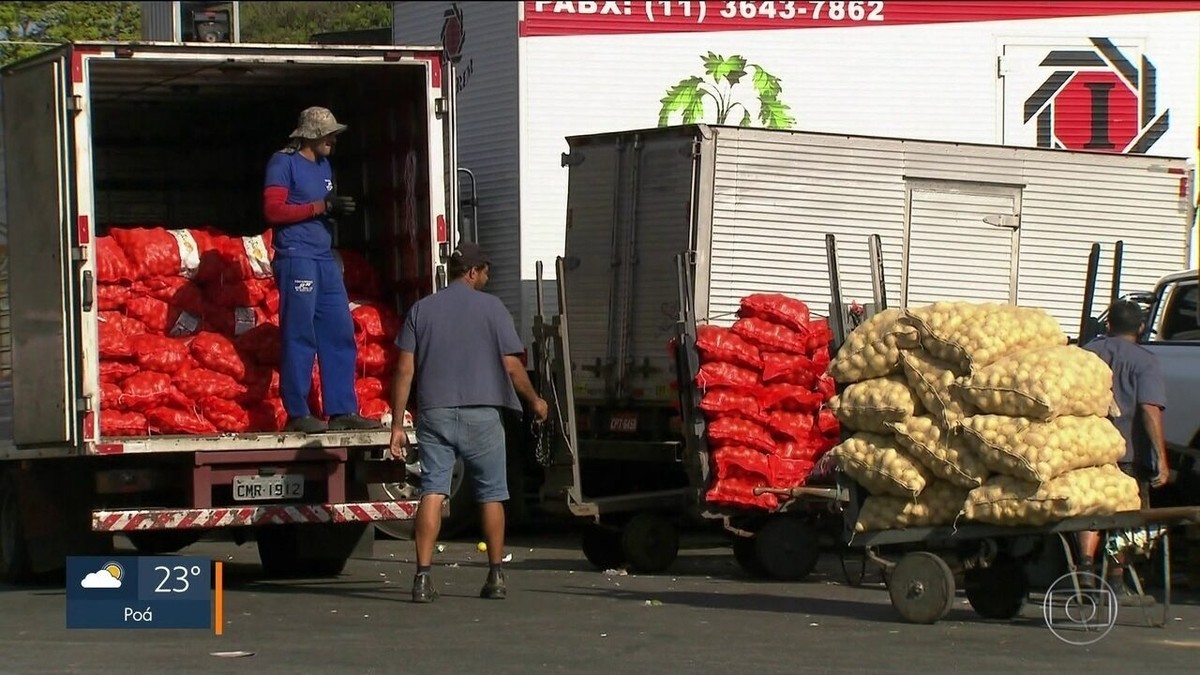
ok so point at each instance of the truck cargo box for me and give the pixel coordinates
(102, 136)
(751, 208)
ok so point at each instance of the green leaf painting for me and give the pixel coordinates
(686, 100)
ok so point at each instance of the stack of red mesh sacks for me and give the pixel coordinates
(764, 395)
(189, 334)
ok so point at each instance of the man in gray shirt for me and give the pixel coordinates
(1140, 393)
(461, 346)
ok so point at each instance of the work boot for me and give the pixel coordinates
(494, 588)
(1087, 577)
(1126, 596)
(423, 588)
(306, 425)
(353, 423)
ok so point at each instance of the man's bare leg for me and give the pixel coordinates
(428, 526)
(492, 520)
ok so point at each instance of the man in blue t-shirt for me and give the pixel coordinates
(462, 347)
(1140, 393)
(314, 310)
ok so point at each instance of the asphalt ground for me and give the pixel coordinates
(704, 616)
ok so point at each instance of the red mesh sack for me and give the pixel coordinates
(235, 321)
(112, 267)
(178, 292)
(316, 397)
(826, 387)
(368, 388)
(268, 415)
(261, 344)
(738, 431)
(770, 337)
(113, 343)
(111, 297)
(790, 398)
(246, 258)
(374, 409)
(735, 487)
(225, 416)
(789, 473)
(776, 308)
(271, 300)
(721, 344)
(376, 360)
(110, 396)
(358, 275)
(165, 420)
(719, 374)
(794, 369)
(160, 317)
(240, 293)
(731, 402)
(795, 427)
(261, 383)
(116, 371)
(810, 449)
(828, 424)
(160, 354)
(818, 338)
(158, 252)
(145, 390)
(126, 325)
(374, 322)
(217, 353)
(117, 423)
(201, 383)
(746, 459)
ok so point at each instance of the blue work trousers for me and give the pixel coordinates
(314, 321)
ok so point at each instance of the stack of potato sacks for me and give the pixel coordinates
(764, 396)
(980, 411)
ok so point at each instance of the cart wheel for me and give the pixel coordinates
(922, 587)
(747, 557)
(650, 542)
(787, 548)
(602, 547)
(999, 591)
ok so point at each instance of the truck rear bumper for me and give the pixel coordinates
(248, 516)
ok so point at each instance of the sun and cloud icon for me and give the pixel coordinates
(108, 576)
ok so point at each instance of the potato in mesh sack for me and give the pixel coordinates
(873, 349)
(939, 504)
(1041, 451)
(969, 336)
(1094, 491)
(945, 454)
(878, 464)
(931, 380)
(873, 404)
(1041, 384)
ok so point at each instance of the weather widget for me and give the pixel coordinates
(139, 592)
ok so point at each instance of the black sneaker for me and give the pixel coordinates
(306, 425)
(353, 423)
(494, 588)
(423, 589)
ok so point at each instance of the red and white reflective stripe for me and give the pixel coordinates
(245, 516)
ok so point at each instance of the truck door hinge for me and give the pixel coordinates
(440, 107)
(1008, 220)
(1002, 66)
(84, 403)
(571, 159)
(75, 104)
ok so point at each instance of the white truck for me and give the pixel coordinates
(100, 134)
(749, 211)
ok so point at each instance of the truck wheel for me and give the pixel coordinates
(162, 542)
(14, 557)
(602, 547)
(746, 554)
(788, 548)
(650, 542)
(463, 514)
(288, 551)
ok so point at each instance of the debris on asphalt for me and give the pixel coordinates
(231, 655)
(441, 548)
(508, 557)
(654, 603)
(616, 573)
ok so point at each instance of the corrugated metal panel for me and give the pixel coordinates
(160, 21)
(488, 125)
(777, 193)
(942, 220)
(775, 197)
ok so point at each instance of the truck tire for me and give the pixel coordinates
(14, 556)
(162, 542)
(463, 513)
(290, 551)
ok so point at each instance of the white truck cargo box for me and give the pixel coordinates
(752, 208)
(1121, 76)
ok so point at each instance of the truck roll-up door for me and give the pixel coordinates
(42, 276)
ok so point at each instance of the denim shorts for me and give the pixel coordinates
(476, 434)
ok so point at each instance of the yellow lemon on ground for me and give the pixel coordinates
(481, 546)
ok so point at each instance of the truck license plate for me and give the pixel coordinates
(254, 488)
(623, 423)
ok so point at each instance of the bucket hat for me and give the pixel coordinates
(317, 122)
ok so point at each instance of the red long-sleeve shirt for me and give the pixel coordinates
(278, 212)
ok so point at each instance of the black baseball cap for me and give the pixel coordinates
(470, 255)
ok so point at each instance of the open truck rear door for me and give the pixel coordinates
(45, 307)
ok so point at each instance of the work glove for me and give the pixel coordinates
(340, 206)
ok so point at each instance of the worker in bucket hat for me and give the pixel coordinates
(299, 202)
